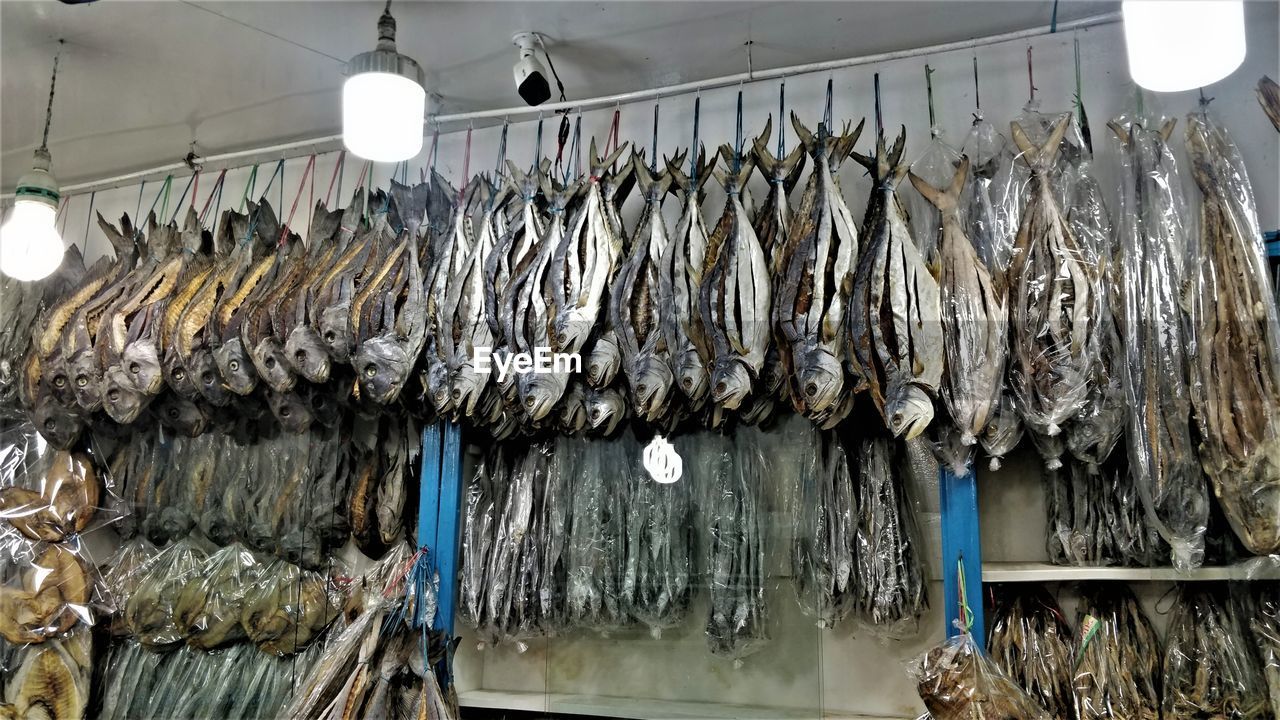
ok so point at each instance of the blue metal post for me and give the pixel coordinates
(961, 543)
(446, 546)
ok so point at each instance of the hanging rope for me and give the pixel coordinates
(826, 115)
(782, 119)
(253, 224)
(61, 216)
(311, 197)
(879, 114)
(138, 209)
(653, 162)
(500, 169)
(337, 173)
(217, 188)
(88, 218)
(466, 167)
(1031, 79)
(737, 137)
(306, 172)
(577, 146)
(168, 183)
(181, 199)
(195, 188)
(53, 83)
(248, 186)
(612, 143)
(966, 612)
(573, 150)
(693, 149)
(1079, 84)
(977, 99)
(928, 84)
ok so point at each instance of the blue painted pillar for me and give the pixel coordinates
(961, 544)
(440, 492)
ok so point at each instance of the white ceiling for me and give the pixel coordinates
(140, 80)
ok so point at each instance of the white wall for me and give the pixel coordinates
(806, 668)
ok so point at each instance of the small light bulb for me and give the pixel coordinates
(30, 247)
(1177, 45)
(382, 116)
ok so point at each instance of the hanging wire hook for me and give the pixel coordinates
(693, 150)
(879, 114)
(782, 120)
(928, 84)
(1031, 81)
(653, 162)
(977, 98)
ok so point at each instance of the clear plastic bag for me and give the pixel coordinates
(48, 590)
(1264, 624)
(659, 574)
(1235, 373)
(824, 542)
(287, 608)
(122, 573)
(150, 610)
(1210, 668)
(1153, 239)
(957, 681)
(890, 582)
(1032, 644)
(208, 607)
(52, 679)
(1117, 673)
(936, 165)
(48, 494)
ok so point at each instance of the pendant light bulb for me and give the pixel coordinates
(384, 103)
(30, 246)
(1177, 45)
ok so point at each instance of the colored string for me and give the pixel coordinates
(693, 150)
(653, 162)
(499, 170)
(826, 115)
(138, 210)
(217, 188)
(613, 138)
(1031, 81)
(879, 113)
(248, 186)
(183, 198)
(337, 170)
(466, 167)
(737, 137)
(782, 119)
(306, 172)
(966, 612)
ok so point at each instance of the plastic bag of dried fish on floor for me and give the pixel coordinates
(1236, 370)
(48, 494)
(1263, 618)
(1117, 675)
(957, 681)
(1032, 644)
(890, 583)
(51, 679)
(46, 590)
(822, 501)
(1211, 668)
(1159, 344)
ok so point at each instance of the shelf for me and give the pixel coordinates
(1258, 569)
(641, 708)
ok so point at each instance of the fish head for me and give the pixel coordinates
(437, 382)
(651, 386)
(86, 381)
(218, 526)
(692, 376)
(235, 366)
(207, 378)
(58, 379)
(605, 410)
(908, 410)
(57, 424)
(177, 377)
(335, 332)
(122, 401)
(538, 394)
(324, 408)
(290, 410)
(182, 415)
(730, 384)
(603, 362)
(819, 379)
(382, 366)
(571, 332)
(466, 387)
(141, 366)
(307, 354)
(272, 367)
(571, 412)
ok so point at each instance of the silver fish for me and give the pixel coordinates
(678, 282)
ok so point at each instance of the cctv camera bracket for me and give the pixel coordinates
(526, 40)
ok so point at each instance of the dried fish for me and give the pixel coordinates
(1118, 669)
(678, 282)
(1269, 98)
(1032, 644)
(957, 681)
(1210, 668)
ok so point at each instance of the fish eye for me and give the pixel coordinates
(528, 402)
(81, 381)
(113, 395)
(179, 374)
(300, 355)
(720, 387)
(370, 370)
(811, 389)
(285, 412)
(207, 378)
(457, 393)
(688, 383)
(173, 413)
(234, 365)
(59, 382)
(329, 336)
(270, 362)
(640, 388)
(595, 414)
(134, 368)
(897, 419)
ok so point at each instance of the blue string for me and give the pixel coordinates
(253, 224)
(140, 221)
(138, 210)
(178, 207)
(1053, 23)
(737, 138)
(782, 120)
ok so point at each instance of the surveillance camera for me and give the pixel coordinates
(531, 76)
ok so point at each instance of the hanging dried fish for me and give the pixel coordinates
(824, 546)
(895, 329)
(1269, 99)
(449, 257)
(678, 283)
(1032, 644)
(1210, 668)
(890, 577)
(812, 295)
(974, 316)
(1153, 245)
(733, 299)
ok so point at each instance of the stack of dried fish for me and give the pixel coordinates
(1095, 517)
(957, 681)
(1031, 642)
(737, 622)
(22, 304)
(1153, 248)
(1236, 370)
(1053, 305)
(811, 294)
(895, 329)
(48, 591)
(889, 580)
(824, 544)
(1264, 623)
(1210, 668)
(51, 680)
(1118, 667)
(658, 579)
(49, 497)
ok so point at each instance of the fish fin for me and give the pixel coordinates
(760, 147)
(806, 137)
(1119, 131)
(1025, 146)
(613, 158)
(643, 178)
(1167, 128)
(899, 147)
(677, 175)
(863, 160)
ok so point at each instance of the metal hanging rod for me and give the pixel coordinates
(333, 142)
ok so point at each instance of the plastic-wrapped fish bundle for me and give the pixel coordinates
(1210, 668)
(51, 680)
(597, 537)
(890, 576)
(1264, 624)
(151, 611)
(1095, 518)
(503, 609)
(1032, 644)
(824, 543)
(1236, 370)
(481, 499)
(658, 578)
(1117, 671)
(287, 608)
(737, 622)
(957, 681)
(47, 591)
(935, 166)
(121, 575)
(1053, 306)
(1152, 234)
(209, 606)
(48, 494)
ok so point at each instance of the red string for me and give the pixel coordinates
(611, 145)
(466, 168)
(284, 229)
(404, 572)
(212, 191)
(364, 171)
(311, 201)
(342, 158)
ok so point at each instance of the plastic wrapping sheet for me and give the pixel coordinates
(287, 608)
(822, 505)
(1053, 306)
(47, 590)
(957, 681)
(1153, 239)
(50, 680)
(890, 580)
(149, 610)
(1211, 669)
(208, 607)
(659, 577)
(1031, 642)
(935, 166)
(1117, 673)
(49, 494)
(122, 573)
(1094, 518)
(480, 497)
(738, 619)
(1264, 623)
(1235, 373)
(1003, 432)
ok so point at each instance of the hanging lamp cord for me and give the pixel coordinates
(53, 83)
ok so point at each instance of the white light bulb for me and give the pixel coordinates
(30, 247)
(382, 116)
(1177, 45)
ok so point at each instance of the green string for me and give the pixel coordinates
(164, 206)
(1079, 84)
(966, 612)
(248, 186)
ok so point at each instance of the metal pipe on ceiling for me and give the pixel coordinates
(215, 162)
